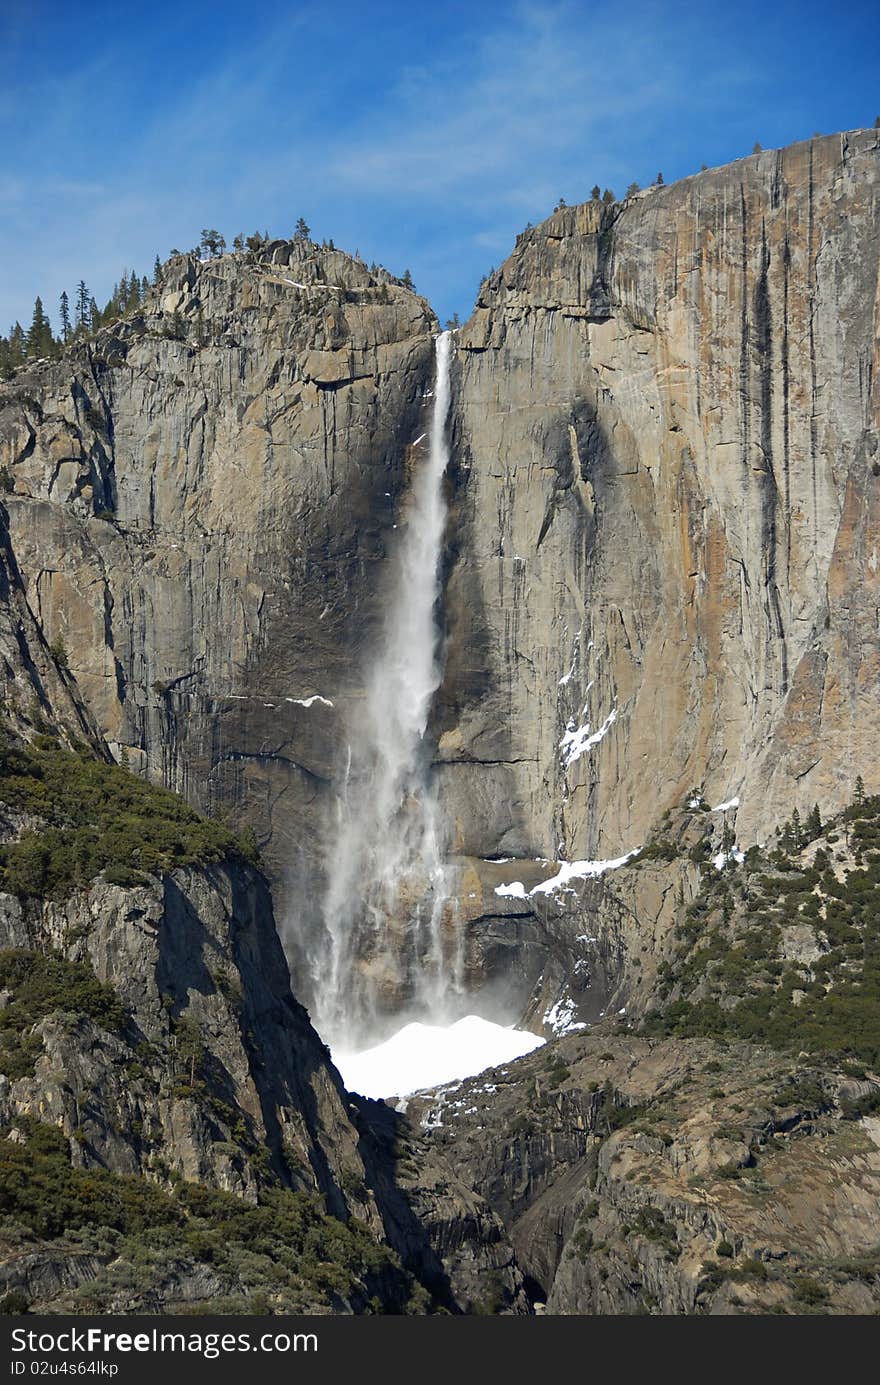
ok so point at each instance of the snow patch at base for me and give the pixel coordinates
(420, 1056)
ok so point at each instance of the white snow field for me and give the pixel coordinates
(429, 1055)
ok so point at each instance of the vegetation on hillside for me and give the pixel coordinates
(37, 985)
(95, 817)
(740, 971)
(284, 1255)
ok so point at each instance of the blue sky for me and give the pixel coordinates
(425, 136)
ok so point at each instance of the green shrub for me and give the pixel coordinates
(14, 1303)
(651, 1224)
(40, 985)
(98, 817)
(810, 1291)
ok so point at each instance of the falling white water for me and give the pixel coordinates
(390, 940)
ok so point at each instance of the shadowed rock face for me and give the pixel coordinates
(35, 684)
(195, 949)
(666, 504)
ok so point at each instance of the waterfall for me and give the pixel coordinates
(390, 942)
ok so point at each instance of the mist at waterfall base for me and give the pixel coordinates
(390, 953)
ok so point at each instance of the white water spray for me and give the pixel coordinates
(391, 942)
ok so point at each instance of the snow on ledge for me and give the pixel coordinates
(560, 1017)
(568, 870)
(720, 860)
(578, 739)
(307, 701)
(422, 1056)
(723, 807)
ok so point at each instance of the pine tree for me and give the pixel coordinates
(814, 823)
(407, 280)
(12, 351)
(39, 338)
(659, 180)
(796, 832)
(302, 231)
(94, 315)
(756, 148)
(82, 308)
(607, 196)
(18, 344)
(64, 315)
(212, 242)
(859, 796)
(596, 193)
(238, 243)
(157, 270)
(633, 189)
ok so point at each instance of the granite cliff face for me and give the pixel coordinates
(667, 494)
(663, 571)
(191, 954)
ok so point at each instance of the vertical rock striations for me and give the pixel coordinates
(667, 494)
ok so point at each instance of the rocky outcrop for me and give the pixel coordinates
(216, 1077)
(672, 1176)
